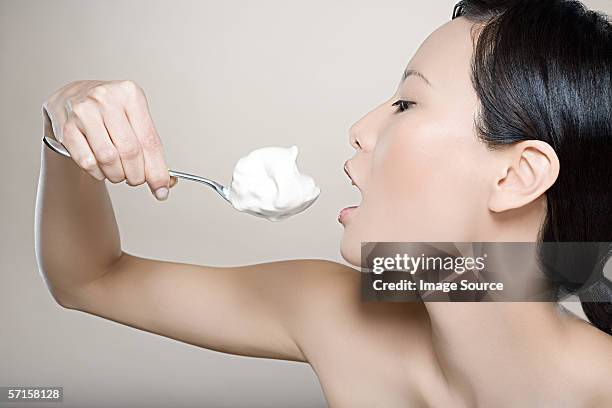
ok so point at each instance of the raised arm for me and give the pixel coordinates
(263, 310)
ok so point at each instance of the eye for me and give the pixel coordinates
(403, 105)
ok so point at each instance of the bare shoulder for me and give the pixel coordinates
(365, 351)
(590, 357)
(334, 287)
(333, 311)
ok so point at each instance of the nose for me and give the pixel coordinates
(353, 138)
(362, 137)
(363, 134)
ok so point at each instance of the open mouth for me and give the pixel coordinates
(348, 212)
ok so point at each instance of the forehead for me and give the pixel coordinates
(444, 57)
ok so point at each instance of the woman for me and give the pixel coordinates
(499, 131)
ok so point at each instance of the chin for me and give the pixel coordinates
(350, 249)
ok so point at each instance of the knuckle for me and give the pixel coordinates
(69, 104)
(136, 181)
(88, 163)
(130, 87)
(68, 130)
(84, 108)
(115, 179)
(129, 151)
(96, 175)
(99, 93)
(151, 142)
(107, 155)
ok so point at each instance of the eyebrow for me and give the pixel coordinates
(409, 72)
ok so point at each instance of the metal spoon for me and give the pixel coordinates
(59, 148)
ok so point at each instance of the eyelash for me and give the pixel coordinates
(403, 105)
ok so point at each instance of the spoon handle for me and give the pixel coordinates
(59, 148)
(191, 177)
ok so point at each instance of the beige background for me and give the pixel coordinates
(222, 78)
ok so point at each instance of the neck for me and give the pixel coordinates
(488, 349)
(485, 348)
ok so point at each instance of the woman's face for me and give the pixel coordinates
(421, 172)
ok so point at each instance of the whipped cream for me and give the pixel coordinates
(267, 183)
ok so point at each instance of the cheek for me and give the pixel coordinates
(423, 184)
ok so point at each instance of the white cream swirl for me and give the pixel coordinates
(267, 183)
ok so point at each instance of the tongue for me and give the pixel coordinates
(347, 210)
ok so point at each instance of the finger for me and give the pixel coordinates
(123, 137)
(88, 114)
(79, 150)
(173, 181)
(156, 170)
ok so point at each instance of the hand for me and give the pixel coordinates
(107, 128)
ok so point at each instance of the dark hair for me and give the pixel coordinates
(542, 69)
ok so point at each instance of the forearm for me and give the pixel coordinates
(76, 233)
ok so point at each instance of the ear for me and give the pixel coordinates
(527, 170)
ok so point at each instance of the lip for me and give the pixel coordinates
(348, 173)
(348, 212)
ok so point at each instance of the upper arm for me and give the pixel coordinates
(256, 310)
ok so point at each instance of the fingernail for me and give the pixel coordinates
(161, 193)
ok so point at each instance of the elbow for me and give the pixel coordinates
(63, 301)
(56, 278)
(66, 298)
